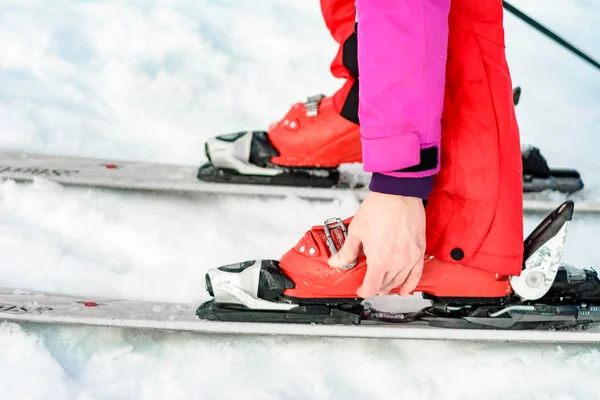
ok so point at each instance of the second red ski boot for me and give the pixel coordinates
(313, 134)
(304, 148)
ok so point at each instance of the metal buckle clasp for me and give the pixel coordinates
(312, 105)
(331, 224)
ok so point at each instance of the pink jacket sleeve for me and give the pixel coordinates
(402, 48)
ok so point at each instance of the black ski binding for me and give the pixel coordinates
(537, 176)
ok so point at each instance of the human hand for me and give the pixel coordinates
(391, 230)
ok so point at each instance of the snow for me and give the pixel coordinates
(151, 81)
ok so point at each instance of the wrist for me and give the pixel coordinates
(409, 187)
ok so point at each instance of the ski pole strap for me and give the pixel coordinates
(519, 14)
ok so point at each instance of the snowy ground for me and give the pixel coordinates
(150, 80)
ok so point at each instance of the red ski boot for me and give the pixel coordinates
(313, 134)
(306, 265)
(304, 148)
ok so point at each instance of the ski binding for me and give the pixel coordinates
(547, 295)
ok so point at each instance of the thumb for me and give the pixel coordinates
(347, 254)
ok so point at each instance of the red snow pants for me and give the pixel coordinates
(474, 214)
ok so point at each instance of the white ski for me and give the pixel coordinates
(142, 176)
(19, 306)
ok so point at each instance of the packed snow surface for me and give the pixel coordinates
(151, 80)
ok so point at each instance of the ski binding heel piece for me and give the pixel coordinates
(542, 255)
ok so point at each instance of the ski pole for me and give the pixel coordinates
(527, 19)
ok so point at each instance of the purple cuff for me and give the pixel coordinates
(411, 187)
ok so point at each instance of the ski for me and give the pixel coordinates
(301, 289)
(182, 179)
(155, 177)
(550, 302)
(63, 310)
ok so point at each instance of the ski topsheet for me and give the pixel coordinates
(19, 306)
(143, 176)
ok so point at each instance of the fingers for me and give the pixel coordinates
(372, 282)
(413, 278)
(397, 281)
(347, 254)
(388, 277)
(408, 278)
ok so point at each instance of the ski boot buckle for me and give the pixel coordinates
(312, 105)
(338, 228)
